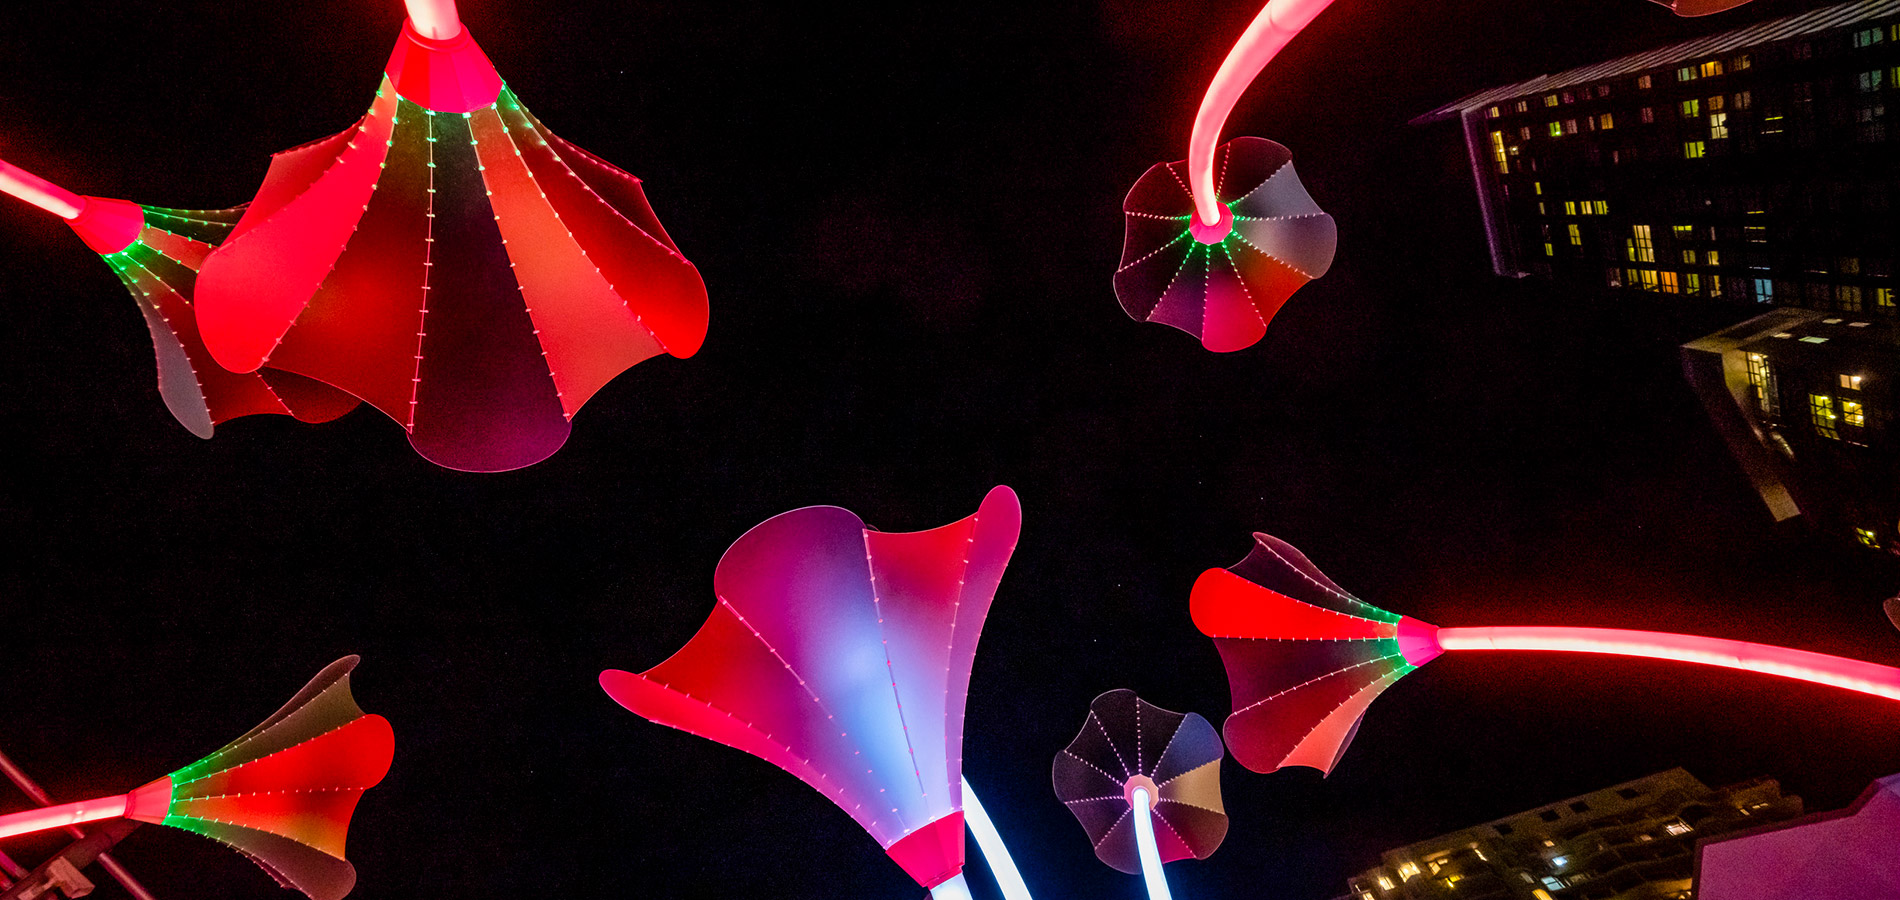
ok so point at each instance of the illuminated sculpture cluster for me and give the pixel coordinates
(1134, 764)
(842, 655)
(282, 794)
(1305, 658)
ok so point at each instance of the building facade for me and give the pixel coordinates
(1805, 400)
(1758, 165)
(1632, 841)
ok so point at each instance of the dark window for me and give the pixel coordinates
(1549, 815)
(1580, 806)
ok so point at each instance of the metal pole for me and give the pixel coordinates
(112, 866)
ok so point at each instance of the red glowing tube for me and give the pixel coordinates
(452, 262)
(282, 794)
(1305, 659)
(156, 252)
(842, 655)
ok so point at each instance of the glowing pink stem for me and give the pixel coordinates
(40, 192)
(1820, 668)
(49, 817)
(1277, 23)
(434, 18)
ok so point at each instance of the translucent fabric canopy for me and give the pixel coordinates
(1127, 743)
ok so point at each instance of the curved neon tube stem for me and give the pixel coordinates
(1277, 23)
(1146, 849)
(434, 18)
(49, 817)
(954, 889)
(1819, 668)
(991, 843)
(40, 192)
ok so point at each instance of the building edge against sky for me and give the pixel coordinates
(1754, 165)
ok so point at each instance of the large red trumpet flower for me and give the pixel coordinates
(1305, 658)
(282, 794)
(452, 262)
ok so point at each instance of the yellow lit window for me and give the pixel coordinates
(1497, 153)
(1603, 207)
(1540, 894)
(1606, 122)
(1643, 82)
(1570, 207)
(1762, 379)
(1691, 108)
(1711, 68)
(1850, 382)
(1688, 256)
(1549, 250)
(1718, 126)
(1867, 537)
(1556, 129)
(1694, 149)
(1853, 413)
(1683, 232)
(1692, 283)
(1537, 187)
(1408, 871)
(1741, 62)
(1649, 279)
(1540, 209)
(1715, 103)
(1883, 297)
(1385, 884)
(1523, 106)
(1715, 257)
(1550, 100)
(1715, 285)
(1576, 235)
(1821, 410)
(1492, 113)
(1641, 247)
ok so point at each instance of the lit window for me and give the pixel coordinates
(1871, 81)
(1524, 133)
(1365, 895)
(1691, 108)
(1492, 113)
(1718, 126)
(1451, 881)
(1853, 413)
(1540, 209)
(1744, 99)
(1688, 256)
(1715, 257)
(1811, 339)
(1762, 378)
(1602, 207)
(1523, 106)
(1576, 235)
(1847, 297)
(1883, 297)
(1570, 207)
(1764, 291)
(1540, 894)
(1711, 68)
(1740, 63)
(1755, 234)
(1550, 100)
(1385, 884)
(1641, 247)
(1553, 882)
(1683, 232)
(1678, 827)
(1669, 282)
(1497, 153)
(1648, 115)
(1691, 283)
(1649, 279)
(1715, 285)
(1687, 73)
(1821, 410)
(1570, 126)
(1643, 82)
(1556, 129)
(1867, 537)
(1850, 382)
(1558, 862)
(1549, 249)
(1605, 122)
(1868, 37)
(1408, 871)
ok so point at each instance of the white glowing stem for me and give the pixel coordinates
(954, 889)
(1145, 847)
(434, 18)
(991, 843)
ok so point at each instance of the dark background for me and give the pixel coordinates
(907, 218)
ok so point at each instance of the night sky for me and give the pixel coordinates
(907, 218)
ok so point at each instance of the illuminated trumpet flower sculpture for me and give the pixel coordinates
(1217, 243)
(842, 655)
(282, 794)
(1134, 764)
(156, 252)
(452, 262)
(1305, 658)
